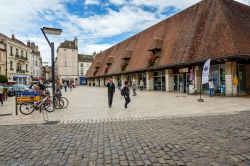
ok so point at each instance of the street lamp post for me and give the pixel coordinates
(51, 31)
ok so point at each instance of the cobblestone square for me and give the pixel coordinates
(202, 140)
(88, 104)
(173, 130)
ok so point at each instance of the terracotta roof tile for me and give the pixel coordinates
(208, 29)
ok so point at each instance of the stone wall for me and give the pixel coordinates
(197, 78)
(169, 80)
(230, 72)
(150, 80)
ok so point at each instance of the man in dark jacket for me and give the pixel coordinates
(111, 91)
(125, 93)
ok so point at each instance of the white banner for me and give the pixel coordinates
(205, 72)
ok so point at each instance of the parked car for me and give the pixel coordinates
(12, 89)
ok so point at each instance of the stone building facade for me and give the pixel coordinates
(36, 68)
(3, 57)
(18, 61)
(67, 62)
(84, 63)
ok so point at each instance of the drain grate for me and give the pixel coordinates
(51, 122)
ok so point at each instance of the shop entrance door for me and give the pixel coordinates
(159, 81)
(179, 84)
(242, 78)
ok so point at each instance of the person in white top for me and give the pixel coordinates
(141, 85)
(1, 93)
(211, 88)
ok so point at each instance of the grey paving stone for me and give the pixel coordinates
(204, 140)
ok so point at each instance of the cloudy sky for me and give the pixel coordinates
(98, 24)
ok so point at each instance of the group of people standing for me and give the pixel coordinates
(67, 85)
(125, 92)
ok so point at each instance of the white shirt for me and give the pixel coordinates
(1, 89)
(211, 85)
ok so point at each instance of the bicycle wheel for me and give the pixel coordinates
(65, 101)
(48, 106)
(26, 108)
(58, 102)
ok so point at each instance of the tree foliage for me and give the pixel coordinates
(3, 79)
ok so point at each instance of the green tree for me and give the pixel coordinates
(3, 79)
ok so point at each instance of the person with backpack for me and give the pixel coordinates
(125, 94)
(111, 91)
(41, 86)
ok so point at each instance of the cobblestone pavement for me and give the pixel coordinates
(90, 104)
(202, 140)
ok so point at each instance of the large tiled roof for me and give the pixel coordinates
(85, 58)
(69, 44)
(208, 29)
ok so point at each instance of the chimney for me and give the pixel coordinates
(28, 43)
(76, 42)
(36, 48)
(33, 46)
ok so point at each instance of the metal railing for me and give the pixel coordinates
(20, 71)
(21, 57)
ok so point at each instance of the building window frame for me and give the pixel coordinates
(11, 50)
(11, 65)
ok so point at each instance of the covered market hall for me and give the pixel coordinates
(169, 56)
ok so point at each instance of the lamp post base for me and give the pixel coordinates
(200, 100)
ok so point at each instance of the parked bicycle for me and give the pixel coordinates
(60, 102)
(43, 104)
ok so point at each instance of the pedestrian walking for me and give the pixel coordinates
(65, 86)
(119, 85)
(125, 94)
(141, 85)
(211, 88)
(58, 90)
(111, 91)
(1, 93)
(70, 87)
(134, 88)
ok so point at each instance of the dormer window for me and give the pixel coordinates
(128, 54)
(97, 66)
(155, 49)
(126, 57)
(109, 63)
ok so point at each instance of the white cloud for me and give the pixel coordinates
(247, 2)
(117, 22)
(91, 2)
(89, 48)
(25, 18)
(118, 2)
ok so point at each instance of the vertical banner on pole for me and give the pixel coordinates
(205, 77)
(205, 72)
